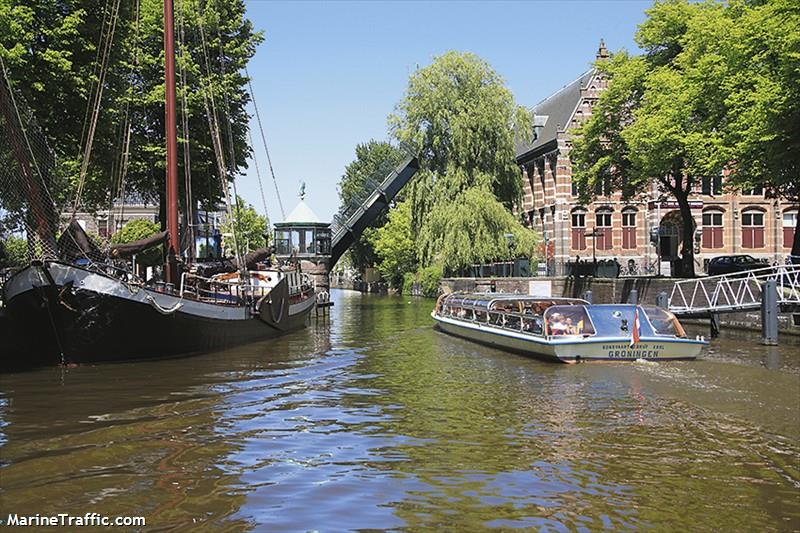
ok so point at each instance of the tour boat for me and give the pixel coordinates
(566, 329)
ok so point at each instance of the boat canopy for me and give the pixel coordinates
(615, 320)
(505, 302)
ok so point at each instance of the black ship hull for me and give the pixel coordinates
(62, 314)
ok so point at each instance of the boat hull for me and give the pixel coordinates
(62, 314)
(572, 350)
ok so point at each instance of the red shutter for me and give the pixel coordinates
(716, 237)
(788, 237)
(747, 237)
(629, 238)
(604, 241)
(578, 239)
(758, 237)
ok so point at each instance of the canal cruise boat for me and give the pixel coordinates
(566, 329)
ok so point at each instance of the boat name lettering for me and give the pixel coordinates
(623, 351)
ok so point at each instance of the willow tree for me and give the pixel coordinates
(659, 119)
(461, 119)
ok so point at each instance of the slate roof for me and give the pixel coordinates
(556, 112)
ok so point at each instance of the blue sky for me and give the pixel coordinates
(329, 73)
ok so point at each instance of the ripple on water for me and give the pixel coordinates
(372, 420)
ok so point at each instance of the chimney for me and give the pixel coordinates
(602, 52)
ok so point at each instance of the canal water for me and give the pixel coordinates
(373, 420)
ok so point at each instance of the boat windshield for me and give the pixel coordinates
(568, 320)
(664, 322)
(617, 320)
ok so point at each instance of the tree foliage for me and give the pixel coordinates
(473, 228)
(373, 161)
(252, 230)
(13, 252)
(717, 87)
(658, 119)
(394, 246)
(50, 48)
(138, 229)
(461, 119)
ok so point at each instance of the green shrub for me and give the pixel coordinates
(429, 278)
(409, 278)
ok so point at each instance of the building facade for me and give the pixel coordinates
(648, 229)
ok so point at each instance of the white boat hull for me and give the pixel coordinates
(573, 349)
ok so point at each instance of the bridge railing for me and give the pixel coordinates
(734, 292)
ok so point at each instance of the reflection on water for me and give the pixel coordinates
(374, 420)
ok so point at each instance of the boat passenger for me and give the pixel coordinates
(557, 325)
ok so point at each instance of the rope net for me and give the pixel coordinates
(32, 191)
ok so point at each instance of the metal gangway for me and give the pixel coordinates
(730, 293)
(350, 224)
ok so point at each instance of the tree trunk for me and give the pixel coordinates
(687, 246)
(796, 245)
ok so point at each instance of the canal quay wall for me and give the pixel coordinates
(607, 290)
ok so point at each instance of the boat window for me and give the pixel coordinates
(664, 322)
(567, 320)
(616, 320)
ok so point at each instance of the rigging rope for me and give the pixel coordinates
(118, 186)
(187, 162)
(264, 141)
(96, 108)
(258, 175)
(211, 113)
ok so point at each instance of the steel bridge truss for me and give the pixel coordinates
(729, 293)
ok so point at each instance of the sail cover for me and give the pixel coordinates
(74, 244)
(135, 247)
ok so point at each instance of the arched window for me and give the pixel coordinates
(629, 228)
(712, 229)
(602, 223)
(789, 224)
(579, 229)
(752, 228)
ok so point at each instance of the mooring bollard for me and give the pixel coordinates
(714, 325)
(633, 297)
(587, 295)
(769, 313)
(662, 300)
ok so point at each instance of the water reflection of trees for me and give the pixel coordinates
(494, 439)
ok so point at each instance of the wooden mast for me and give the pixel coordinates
(172, 145)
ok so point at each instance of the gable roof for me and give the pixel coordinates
(555, 112)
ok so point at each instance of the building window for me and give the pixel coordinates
(602, 223)
(753, 229)
(789, 225)
(712, 229)
(579, 230)
(755, 191)
(711, 185)
(603, 186)
(629, 228)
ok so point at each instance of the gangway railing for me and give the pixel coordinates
(347, 229)
(729, 293)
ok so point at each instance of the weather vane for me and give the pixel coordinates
(302, 190)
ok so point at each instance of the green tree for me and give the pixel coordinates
(13, 252)
(461, 119)
(758, 53)
(659, 118)
(394, 246)
(50, 48)
(138, 229)
(374, 160)
(252, 230)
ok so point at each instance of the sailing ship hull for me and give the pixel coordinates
(569, 350)
(62, 314)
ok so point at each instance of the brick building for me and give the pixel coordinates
(726, 223)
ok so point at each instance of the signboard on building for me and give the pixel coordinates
(540, 288)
